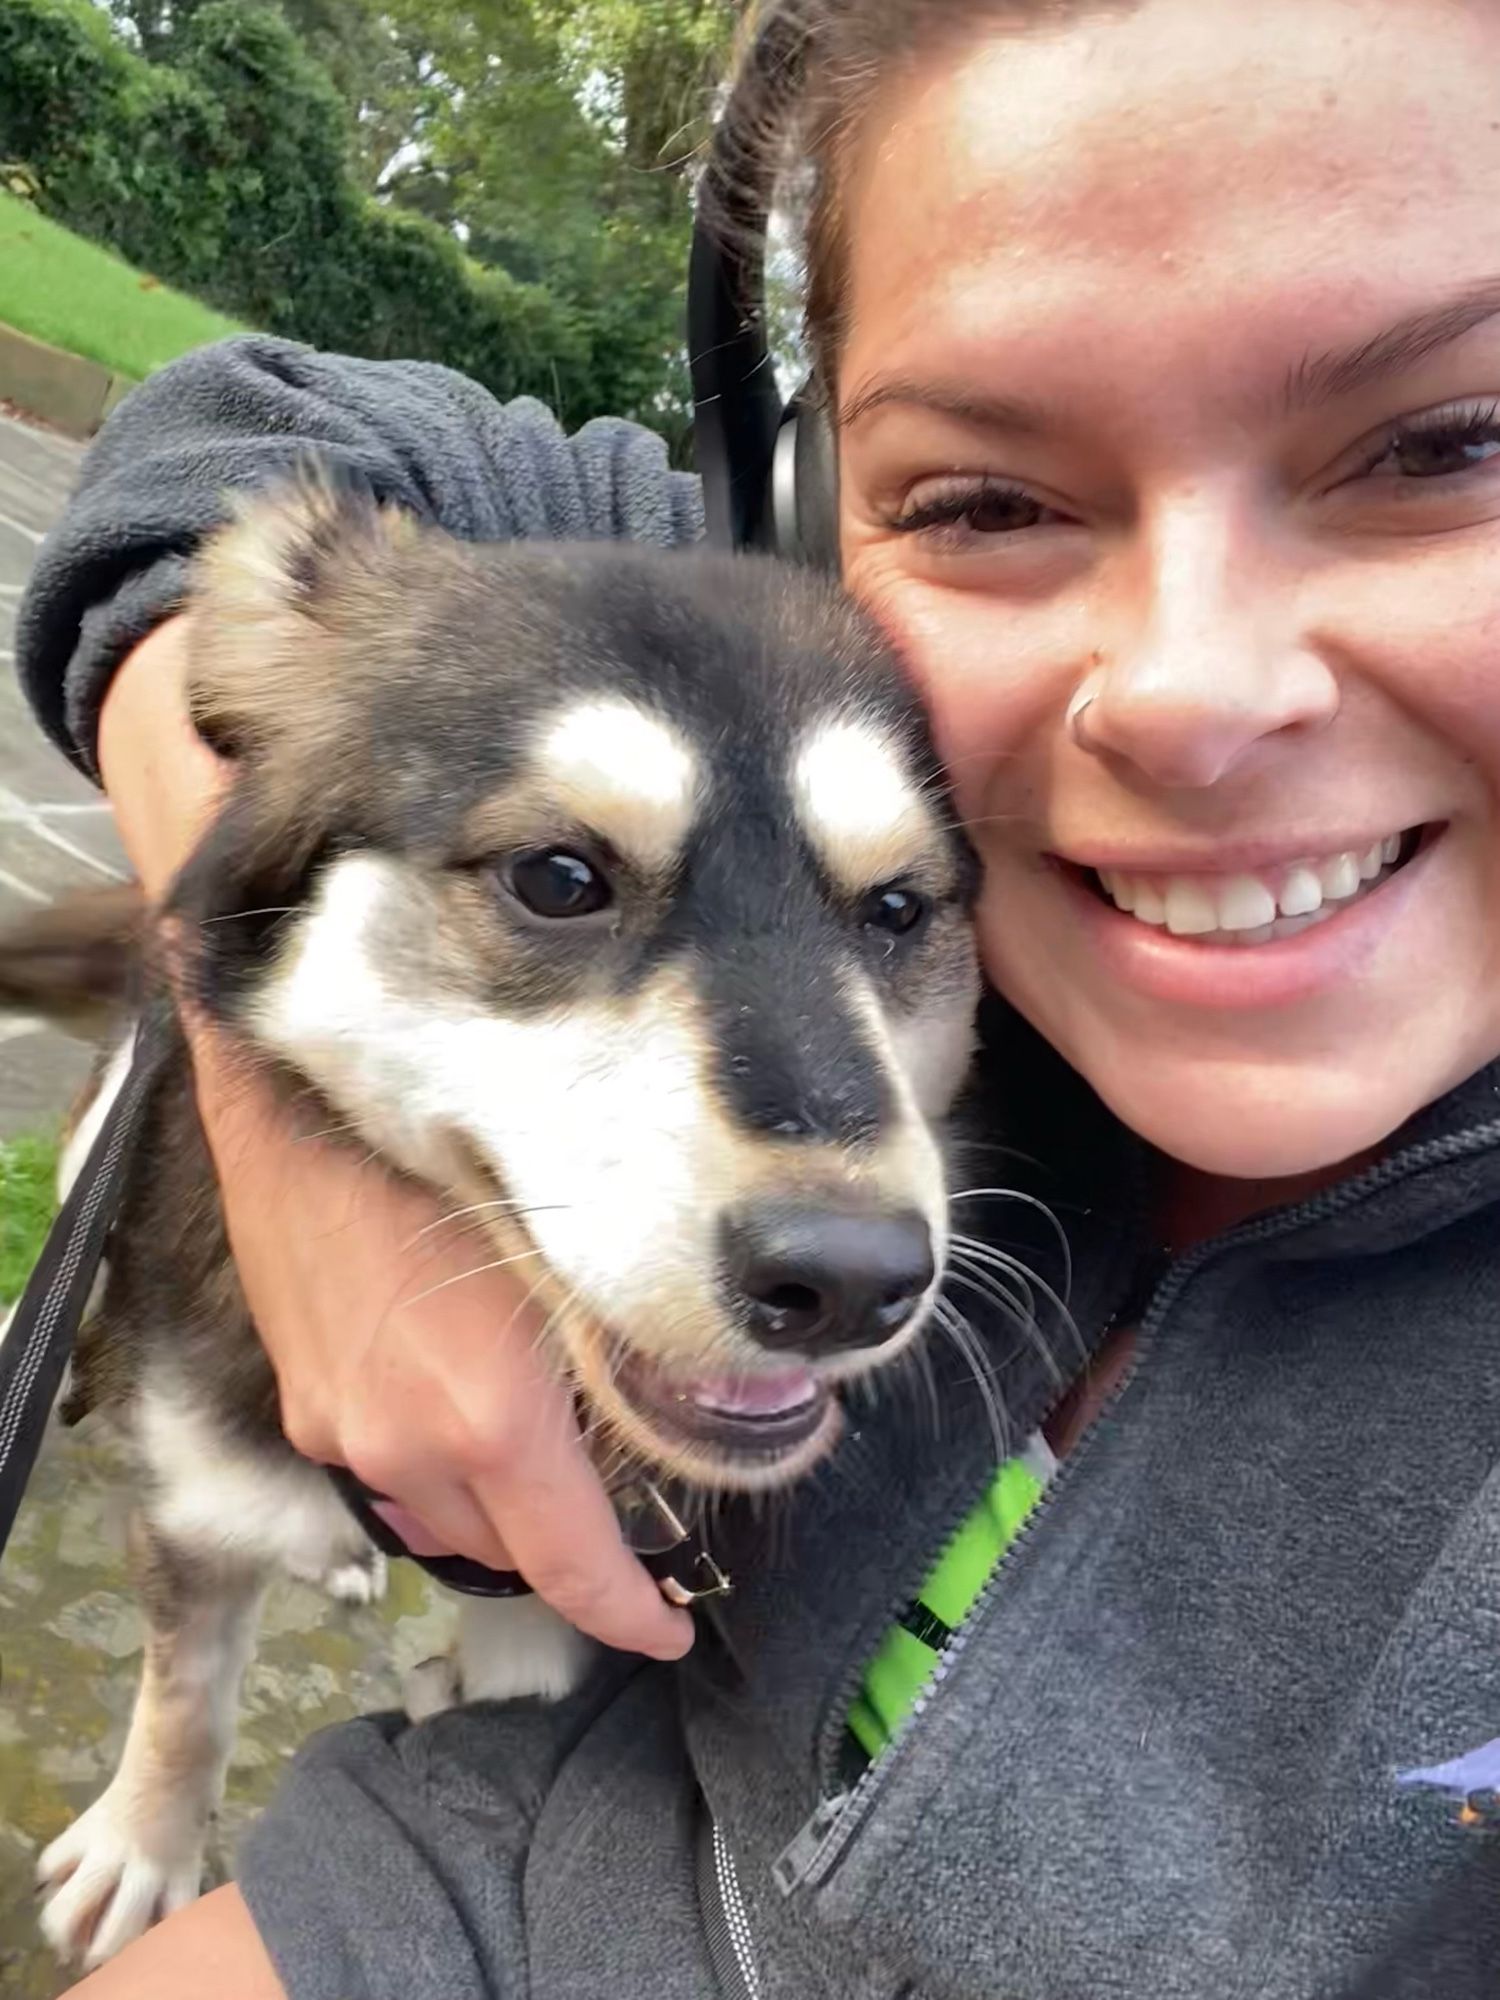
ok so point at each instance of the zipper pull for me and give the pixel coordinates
(799, 1857)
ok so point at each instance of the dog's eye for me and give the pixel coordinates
(552, 882)
(895, 911)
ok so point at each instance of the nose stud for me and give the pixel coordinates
(1078, 709)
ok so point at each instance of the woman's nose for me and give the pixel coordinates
(1210, 667)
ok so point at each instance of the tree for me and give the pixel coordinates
(554, 139)
(558, 137)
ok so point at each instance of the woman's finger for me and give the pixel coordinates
(555, 1518)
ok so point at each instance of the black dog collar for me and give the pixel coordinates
(685, 1572)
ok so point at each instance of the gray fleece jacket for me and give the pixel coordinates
(1164, 1757)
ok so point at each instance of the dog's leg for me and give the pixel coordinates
(361, 1580)
(137, 1852)
(507, 1647)
(355, 1577)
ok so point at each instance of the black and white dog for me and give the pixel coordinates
(617, 896)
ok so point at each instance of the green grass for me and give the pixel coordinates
(27, 1200)
(59, 288)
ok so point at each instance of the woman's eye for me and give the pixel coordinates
(555, 882)
(1440, 446)
(894, 911)
(982, 509)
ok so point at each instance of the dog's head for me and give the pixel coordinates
(619, 892)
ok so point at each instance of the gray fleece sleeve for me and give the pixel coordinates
(392, 1859)
(240, 414)
(446, 1860)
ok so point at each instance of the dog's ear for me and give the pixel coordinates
(265, 608)
(245, 883)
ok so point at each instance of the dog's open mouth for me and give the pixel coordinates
(755, 1416)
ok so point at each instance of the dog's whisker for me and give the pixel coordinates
(997, 1149)
(344, 1126)
(1047, 1214)
(1031, 1323)
(979, 1252)
(1017, 1309)
(962, 1336)
(1013, 1279)
(513, 1211)
(1013, 1306)
(970, 1249)
(1018, 1315)
(499, 1264)
(483, 1207)
(544, 1280)
(914, 1363)
(922, 1360)
(556, 1313)
(989, 819)
(983, 1253)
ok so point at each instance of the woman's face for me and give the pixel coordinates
(1173, 383)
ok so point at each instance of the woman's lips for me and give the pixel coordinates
(1274, 962)
(1256, 905)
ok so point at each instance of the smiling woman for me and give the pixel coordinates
(1135, 429)
(1160, 344)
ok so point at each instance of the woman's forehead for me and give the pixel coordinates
(1197, 159)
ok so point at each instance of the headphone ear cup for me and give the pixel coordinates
(803, 503)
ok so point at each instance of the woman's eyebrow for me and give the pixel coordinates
(1321, 378)
(1317, 378)
(995, 413)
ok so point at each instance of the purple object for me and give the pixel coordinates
(1476, 1771)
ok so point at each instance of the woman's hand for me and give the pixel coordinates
(432, 1392)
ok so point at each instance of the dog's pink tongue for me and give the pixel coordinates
(754, 1395)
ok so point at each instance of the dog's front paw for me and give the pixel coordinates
(362, 1581)
(509, 1648)
(431, 1686)
(105, 1885)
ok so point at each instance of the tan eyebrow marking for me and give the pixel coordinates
(865, 817)
(626, 774)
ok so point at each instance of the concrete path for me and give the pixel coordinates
(55, 831)
(70, 1631)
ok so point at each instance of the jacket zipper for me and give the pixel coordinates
(726, 1920)
(811, 1854)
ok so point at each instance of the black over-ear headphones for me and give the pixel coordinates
(770, 476)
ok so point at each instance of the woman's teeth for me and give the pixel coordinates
(1252, 909)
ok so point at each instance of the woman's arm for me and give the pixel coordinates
(241, 414)
(211, 1947)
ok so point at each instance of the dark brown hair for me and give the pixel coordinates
(807, 72)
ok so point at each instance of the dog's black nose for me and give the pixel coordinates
(820, 1279)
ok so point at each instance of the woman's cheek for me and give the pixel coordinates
(1423, 630)
(981, 702)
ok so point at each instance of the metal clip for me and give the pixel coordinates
(658, 1540)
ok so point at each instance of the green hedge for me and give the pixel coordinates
(227, 174)
(28, 1169)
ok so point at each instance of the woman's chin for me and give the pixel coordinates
(1273, 1091)
(1256, 1121)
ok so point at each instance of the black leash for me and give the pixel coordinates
(39, 1339)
